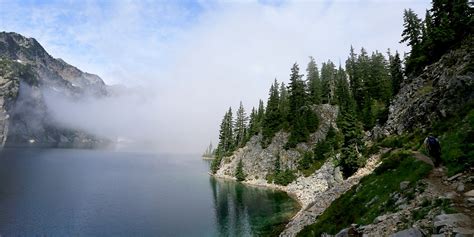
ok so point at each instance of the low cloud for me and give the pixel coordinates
(189, 64)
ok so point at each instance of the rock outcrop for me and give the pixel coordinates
(442, 90)
(258, 162)
(27, 72)
(315, 192)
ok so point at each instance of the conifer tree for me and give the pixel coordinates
(378, 83)
(284, 106)
(328, 72)
(239, 172)
(297, 93)
(314, 82)
(272, 118)
(226, 137)
(396, 73)
(299, 110)
(240, 127)
(260, 113)
(276, 165)
(253, 124)
(412, 35)
(355, 79)
(413, 28)
(209, 151)
(449, 23)
(343, 96)
(352, 134)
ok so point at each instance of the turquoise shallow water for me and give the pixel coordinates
(55, 192)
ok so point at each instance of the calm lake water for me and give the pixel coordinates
(54, 192)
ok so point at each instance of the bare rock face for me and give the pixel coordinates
(27, 72)
(258, 162)
(9, 86)
(442, 90)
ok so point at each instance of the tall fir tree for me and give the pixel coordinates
(355, 79)
(342, 91)
(298, 117)
(313, 81)
(253, 125)
(450, 22)
(396, 73)
(284, 107)
(328, 71)
(260, 113)
(240, 127)
(379, 85)
(297, 93)
(412, 35)
(226, 136)
(272, 118)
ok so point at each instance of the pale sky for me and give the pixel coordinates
(188, 61)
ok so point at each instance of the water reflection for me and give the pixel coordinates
(243, 211)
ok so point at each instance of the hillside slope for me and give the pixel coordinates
(439, 101)
(27, 73)
(404, 194)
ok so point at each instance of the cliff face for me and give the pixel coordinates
(27, 73)
(442, 90)
(9, 86)
(258, 162)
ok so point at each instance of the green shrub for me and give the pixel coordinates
(239, 172)
(281, 178)
(215, 164)
(392, 142)
(285, 177)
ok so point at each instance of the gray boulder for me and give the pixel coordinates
(412, 232)
(450, 220)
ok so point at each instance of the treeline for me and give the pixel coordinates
(445, 26)
(363, 102)
(362, 90)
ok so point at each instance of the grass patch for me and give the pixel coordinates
(409, 141)
(457, 144)
(372, 197)
(425, 89)
(316, 165)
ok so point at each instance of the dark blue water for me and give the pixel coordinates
(45, 192)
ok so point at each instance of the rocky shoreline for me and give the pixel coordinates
(315, 192)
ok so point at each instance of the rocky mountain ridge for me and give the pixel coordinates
(27, 74)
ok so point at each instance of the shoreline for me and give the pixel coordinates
(293, 195)
(314, 193)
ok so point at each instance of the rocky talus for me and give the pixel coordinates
(318, 191)
(441, 206)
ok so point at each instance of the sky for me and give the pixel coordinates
(185, 62)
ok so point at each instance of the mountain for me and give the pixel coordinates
(27, 74)
(395, 185)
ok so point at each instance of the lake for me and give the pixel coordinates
(66, 192)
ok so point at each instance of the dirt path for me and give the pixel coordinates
(447, 186)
